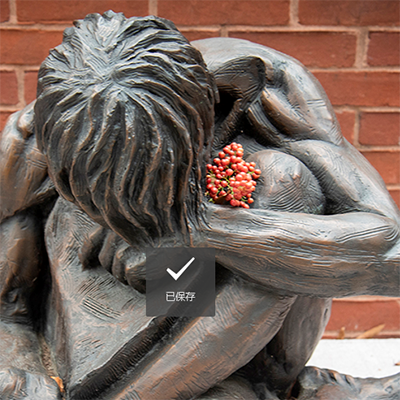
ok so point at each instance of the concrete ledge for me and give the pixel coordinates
(363, 358)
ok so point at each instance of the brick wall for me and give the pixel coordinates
(352, 47)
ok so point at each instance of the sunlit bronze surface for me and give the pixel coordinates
(111, 158)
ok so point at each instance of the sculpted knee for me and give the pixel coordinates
(286, 184)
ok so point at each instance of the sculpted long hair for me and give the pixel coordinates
(124, 115)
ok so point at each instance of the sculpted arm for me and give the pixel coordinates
(355, 250)
(326, 256)
(355, 247)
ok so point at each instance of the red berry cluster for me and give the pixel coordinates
(231, 179)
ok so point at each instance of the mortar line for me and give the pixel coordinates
(13, 12)
(362, 48)
(224, 31)
(19, 71)
(294, 13)
(153, 7)
(356, 128)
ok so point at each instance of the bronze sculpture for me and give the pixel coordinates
(111, 158)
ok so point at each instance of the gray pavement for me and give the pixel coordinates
(361, 358)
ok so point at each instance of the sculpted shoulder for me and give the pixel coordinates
(24, 178)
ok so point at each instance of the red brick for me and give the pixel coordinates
(363, 88)
(365, 312)
(200, 34)
(8, 88)
(29, 46)
(395, 193)
(30, 86)
(225, 12)
(4, 10)
(314, 49)
(347, 120)
(349, 12)
(384, 48)
(59, 11)
(379, 129)
(387, 163)
(3, 119)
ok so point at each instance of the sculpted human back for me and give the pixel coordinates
(111, 159)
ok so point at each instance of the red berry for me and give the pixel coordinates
(240, 173)
(239, 177)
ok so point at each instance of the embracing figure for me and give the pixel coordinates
(111, 158)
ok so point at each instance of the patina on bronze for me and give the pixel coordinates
(111, 158)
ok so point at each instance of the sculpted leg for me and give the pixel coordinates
(277, 366)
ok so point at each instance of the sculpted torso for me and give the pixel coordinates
(111, 158)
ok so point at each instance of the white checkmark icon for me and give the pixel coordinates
(176, 275)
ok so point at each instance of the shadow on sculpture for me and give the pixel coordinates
(111, 158)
